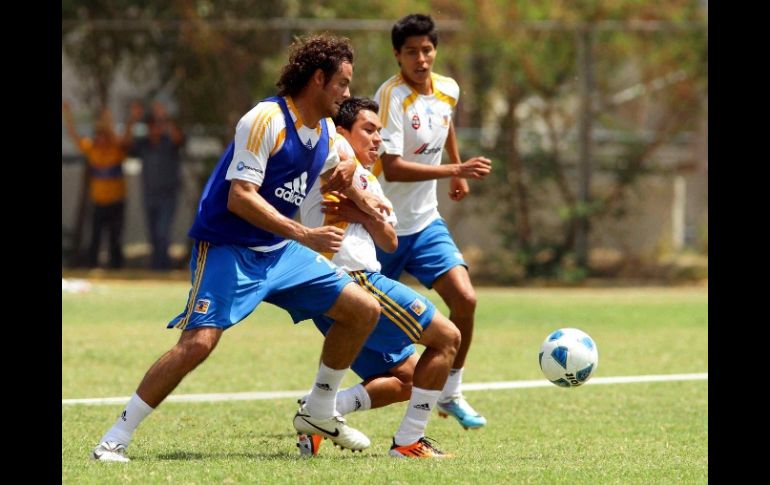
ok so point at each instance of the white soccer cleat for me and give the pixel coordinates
(334, 428)
(110, 451)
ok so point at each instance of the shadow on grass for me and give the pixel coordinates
(332, 453)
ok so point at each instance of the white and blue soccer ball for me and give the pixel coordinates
(568, 357)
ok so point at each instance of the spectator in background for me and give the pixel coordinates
(104, 156)
(160, 152)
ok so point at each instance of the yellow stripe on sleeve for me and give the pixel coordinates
(260, 136)
(253, 130)
(385, 98)
(255, 127)
(278, 141)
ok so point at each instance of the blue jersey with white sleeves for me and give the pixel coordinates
(289, 174)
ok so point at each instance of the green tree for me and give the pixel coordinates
(523, 76)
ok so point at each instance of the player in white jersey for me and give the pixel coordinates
(416, 112)
(388, 365)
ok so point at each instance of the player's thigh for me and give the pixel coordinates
(351, 303)
(305, 283)
(455, 285)
(404, 312)
(404, 370)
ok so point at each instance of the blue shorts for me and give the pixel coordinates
(426, 255)
(405, 315)
(228, 282)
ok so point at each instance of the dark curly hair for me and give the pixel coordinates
(349, 109)
(324, 51)
(416, 24)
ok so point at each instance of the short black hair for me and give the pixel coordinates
(415, 24)
(325, 52)
(349, 109)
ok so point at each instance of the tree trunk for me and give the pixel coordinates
(519, 194)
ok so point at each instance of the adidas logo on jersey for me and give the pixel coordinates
(293, 192)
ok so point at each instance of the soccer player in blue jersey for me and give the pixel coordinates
(248, 249)
(416, 111)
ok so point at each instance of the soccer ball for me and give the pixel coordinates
(568, 357)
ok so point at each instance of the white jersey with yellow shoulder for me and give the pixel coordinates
(261, 132)
(357, 251)
(415, 127)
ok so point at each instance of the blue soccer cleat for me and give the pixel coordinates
(458, 408)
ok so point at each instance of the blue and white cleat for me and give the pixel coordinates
(458, 408)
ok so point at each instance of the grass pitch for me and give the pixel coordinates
(623, 433)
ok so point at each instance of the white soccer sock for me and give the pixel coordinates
(418, 411)
(123, 429)
(452, 385)
(321, 400)
(352, 399)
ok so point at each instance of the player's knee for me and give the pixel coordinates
(404, 392)
(464, 302)
(197, 349)
(453, 339)
(449, 342)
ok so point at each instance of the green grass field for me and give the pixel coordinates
(618, 433)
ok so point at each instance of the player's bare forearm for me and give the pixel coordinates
(368, 203)
(340, 177)
(383, 234)
(397, 169)
(244, 201)
(343, 209)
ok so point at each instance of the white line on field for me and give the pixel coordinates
(477, 386)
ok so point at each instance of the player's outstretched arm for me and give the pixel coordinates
(244, 201)
(399, 170)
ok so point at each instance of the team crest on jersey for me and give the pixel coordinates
(202, 306)
(415, 121)
(364, 182)
(417, 307)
